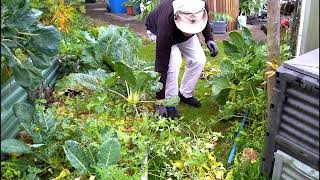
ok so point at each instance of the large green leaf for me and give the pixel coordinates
(14, 146)
(9, 32)
(237, 40)
(90, 60)
(110, 33)
(220, 88)
(230, 48)
(246, 33)
(29, 119)
(39, 60)
(223, 96)
(13, 4)
(47, 123)
(227, 68)
(148, 81)
(6, 52)
(81, 81)
(76, 156)
(25, 20)
(26, 115)
(125, 73)
(88, 37)
(22, 76)
(109, 153)
(20, 29)
(46, 39)
(35, 74)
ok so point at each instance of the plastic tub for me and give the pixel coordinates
(117, 6)
(219, 27)
(289, 168)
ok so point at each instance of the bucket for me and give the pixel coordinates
(242, 20)
(117, 6)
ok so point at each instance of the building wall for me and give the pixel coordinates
(308, 37)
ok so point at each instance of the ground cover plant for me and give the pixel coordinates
(100, 121)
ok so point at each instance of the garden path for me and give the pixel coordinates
(99, 12)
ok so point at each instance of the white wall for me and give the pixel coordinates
(308, 36)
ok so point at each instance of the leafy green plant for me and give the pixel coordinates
(111, 44)
(221, 16)
(197, 159)
(247, 6)
(149, 6)
(137, 82)
(58, 12)
(248, 170)
(20, 31)
(9, 170)
(115, 49)
(81, 81)
(83, 160)
(242, 70)
(49, 136)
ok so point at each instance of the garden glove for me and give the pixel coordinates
(161, 110)
(213, 48)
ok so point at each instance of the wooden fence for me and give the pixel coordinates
(230, 7)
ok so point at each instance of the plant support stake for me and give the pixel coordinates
(233, 150)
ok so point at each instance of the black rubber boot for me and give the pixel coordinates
(192, 101)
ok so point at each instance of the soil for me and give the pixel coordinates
(98, 11)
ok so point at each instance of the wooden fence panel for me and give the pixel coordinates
(230, 7)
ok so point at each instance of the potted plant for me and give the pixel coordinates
(129, 7)
(219, 25)
(136, 6)
(248, 8)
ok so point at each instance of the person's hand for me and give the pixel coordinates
(161, 110)
(213, 48)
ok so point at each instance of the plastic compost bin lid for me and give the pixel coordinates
(307, 64)
(287, 166)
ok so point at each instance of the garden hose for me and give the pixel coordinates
(233, 150)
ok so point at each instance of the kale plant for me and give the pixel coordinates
(21, 33)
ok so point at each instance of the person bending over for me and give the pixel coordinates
(174, 25)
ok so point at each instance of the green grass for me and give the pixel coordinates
(147, 51)
(198, 119)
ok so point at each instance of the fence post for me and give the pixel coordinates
(273, 41)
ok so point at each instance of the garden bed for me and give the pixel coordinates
(100, 122)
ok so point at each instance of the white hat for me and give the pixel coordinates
(190, 16)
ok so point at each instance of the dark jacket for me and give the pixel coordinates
(161, 23)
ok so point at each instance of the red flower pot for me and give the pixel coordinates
(129, 10)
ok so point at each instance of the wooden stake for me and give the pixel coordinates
(273, 41)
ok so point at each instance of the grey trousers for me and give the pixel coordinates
(195, 58)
